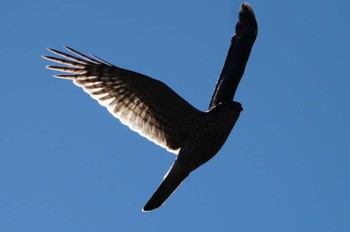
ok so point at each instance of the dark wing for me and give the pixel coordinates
(237, 57)
(145, 105)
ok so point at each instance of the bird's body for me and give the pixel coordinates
(207, 135)
(156, 112)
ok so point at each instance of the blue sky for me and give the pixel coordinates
(67, 165)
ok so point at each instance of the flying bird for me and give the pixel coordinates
(155, 111)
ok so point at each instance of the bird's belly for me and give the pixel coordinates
(203, 144)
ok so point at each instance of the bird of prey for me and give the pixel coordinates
(155, 111)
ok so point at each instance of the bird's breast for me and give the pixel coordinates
(207, 136)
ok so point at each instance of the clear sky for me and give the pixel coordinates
(67, 165)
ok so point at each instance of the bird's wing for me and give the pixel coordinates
(145, 105)
(237, 57)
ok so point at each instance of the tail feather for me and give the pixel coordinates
(170, 183)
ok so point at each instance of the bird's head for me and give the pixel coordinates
(227, 108)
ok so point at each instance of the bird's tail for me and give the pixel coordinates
(171, 182)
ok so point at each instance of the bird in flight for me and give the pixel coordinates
(155, 111)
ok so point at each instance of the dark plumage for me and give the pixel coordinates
(156, 112)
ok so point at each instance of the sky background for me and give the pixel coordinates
(67, 165)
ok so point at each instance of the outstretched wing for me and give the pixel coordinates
(237, 57)
(145, 105)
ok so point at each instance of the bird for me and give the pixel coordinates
(152, 109)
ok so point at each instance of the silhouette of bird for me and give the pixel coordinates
(156, 112)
